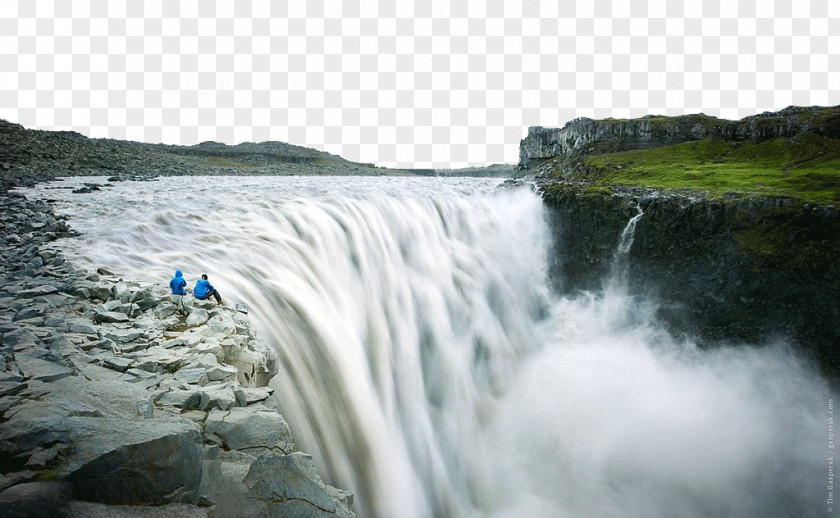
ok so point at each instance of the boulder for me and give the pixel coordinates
(122, 335)
(36, 499)
(251, 431)
(102, 316)
(41, 370)
(84, 327)
(19, 337)
(185, 399)
(249, 396)
(197, 317)
(133, 461)
(219, 396)
(164, 309)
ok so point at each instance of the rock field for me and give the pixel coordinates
(119, 399)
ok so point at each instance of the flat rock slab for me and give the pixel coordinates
(41, 370)
(38, 291)
(109, 316)
(246, 429)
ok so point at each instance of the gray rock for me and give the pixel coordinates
(287, 485)
(145, 299)
(221, 373)
(35, 499)
(251, 431)
(100, 290)
(38, 291)
(102, 316)
(197, 316)
(185, 399)
(112, 305)
(122, 335)
(118, 363)
(19, 337)
(121, 292)
(134, 461)
(221, 397)
(164, 309)
(84, 327)
(249, 396)
(41, 370)
(193, 376)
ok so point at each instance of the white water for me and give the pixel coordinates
(425, 366)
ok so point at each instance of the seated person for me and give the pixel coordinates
(178, 283)
(203, 290)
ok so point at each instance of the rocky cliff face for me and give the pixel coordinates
(739, 269)
(585, 136)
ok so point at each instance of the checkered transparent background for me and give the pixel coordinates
(425, 83)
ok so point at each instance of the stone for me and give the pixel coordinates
(100, 290)
(197, 316)
(10, 388)
(36, 499)
(221, 397)
(108, 317)
(129, 347)
(38, 291)
(145, 299)
(287, 485)
(41, 370)
(84, 327)
(121, 292)
(249, 396)
(193, 376)
(134, 461)
(185, 399)
(122, 335)
(222, 373)
(164, 309)
(117, 363)
(19, 337)
(251, 431)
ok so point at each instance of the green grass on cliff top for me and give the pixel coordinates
(807, 167)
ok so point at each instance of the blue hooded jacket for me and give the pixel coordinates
(178, 283)
(202, 289)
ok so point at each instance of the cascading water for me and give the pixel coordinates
(426, 368)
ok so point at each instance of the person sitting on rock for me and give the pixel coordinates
(203, 290)
(178, 283)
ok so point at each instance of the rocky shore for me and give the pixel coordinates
(118, 399)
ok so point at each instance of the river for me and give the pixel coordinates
(426, 366)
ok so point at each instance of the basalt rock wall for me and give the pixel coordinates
(584, 136)
(724, 271)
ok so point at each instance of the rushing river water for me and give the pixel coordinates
(427, 368)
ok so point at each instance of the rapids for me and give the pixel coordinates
(427, 368)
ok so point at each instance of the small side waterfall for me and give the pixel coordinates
(618, 272)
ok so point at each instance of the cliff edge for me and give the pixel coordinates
(739, 240)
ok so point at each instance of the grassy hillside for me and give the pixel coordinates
(806, 167)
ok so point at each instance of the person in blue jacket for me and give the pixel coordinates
(178, 283)
(203, 290)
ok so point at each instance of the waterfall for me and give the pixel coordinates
(617, 280)
(426, 367)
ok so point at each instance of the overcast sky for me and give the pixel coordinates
(406, 83)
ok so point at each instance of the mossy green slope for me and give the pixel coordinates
(805, 167)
